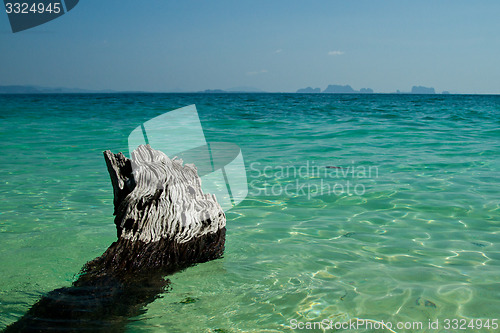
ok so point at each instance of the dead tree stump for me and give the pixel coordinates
(164, 223)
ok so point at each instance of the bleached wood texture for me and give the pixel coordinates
(159, 198)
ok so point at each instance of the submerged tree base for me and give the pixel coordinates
(125, 258)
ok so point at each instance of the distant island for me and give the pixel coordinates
(422, 90)
(213, 91)
(335, 89)
(347, 89)
(231, 90)
(309, 90)
(20, 89)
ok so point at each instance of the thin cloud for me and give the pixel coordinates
(335, 53)
(257, 72)
(278, 51)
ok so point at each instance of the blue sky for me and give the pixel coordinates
(163, 45)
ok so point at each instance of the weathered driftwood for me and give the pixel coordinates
(164, 223)
(163, 219)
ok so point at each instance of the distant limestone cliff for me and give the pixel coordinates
(335, 89)
(347, 89)
(422, 90)
(338, 89)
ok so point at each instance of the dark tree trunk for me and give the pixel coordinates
(164, 223)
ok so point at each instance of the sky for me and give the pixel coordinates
(272, 45)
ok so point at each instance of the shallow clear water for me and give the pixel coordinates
(403, 226)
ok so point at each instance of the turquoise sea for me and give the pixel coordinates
(376, 207)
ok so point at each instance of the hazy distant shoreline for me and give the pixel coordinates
(331, 89)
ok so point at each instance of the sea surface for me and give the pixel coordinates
(375, 207)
